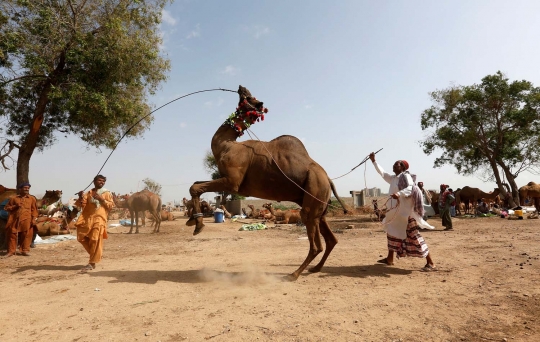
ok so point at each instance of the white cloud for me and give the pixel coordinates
(229, 70)
(166, 17)
(259, 31)
(195, 33)
(308, 106)
(183, 125)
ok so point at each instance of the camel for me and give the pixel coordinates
(284, 161)
(225, 212)
(286, 216)
(50, 197)
(141, 201)
(470, 195)
(380, 213)
(165, 216)
(188, 207)
(531, 190)
(254, 212)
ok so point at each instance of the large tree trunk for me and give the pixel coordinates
(500, 184)
(30, 142)
(514, 199)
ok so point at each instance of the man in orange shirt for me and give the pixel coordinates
(22, 217)
(92, 224)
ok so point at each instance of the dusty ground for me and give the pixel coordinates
(225, 285)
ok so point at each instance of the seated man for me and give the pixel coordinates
(481, 207)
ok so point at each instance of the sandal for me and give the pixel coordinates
(429, 268)
(384, 261)
(86, 268)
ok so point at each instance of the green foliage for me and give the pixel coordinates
(210, 165)
(153, 186)
(93, 63)
(485, 126)
(279, 206)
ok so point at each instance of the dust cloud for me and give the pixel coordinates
(250, 276)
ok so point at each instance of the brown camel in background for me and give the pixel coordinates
(298, 178)
(141, 201)
(531, 190)
(50, 197)
(470, 195)
(284, 216)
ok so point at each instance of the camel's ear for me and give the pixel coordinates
(243, 92)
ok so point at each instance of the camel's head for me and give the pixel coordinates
(249, 111)
(267, 205)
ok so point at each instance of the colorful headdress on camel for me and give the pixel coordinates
(246, 114)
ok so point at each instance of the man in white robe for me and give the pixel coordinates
(404, 217)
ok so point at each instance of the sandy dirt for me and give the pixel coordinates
(225, 285)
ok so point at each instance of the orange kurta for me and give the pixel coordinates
(92, 224)
(22, 214)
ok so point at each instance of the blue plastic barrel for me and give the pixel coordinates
(219, 217)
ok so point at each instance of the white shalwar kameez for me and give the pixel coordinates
(398, 221)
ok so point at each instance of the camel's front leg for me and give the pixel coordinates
(199, 188)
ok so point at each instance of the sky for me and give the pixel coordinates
(345, 77)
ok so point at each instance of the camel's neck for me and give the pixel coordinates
(271, 208)
(224, 136)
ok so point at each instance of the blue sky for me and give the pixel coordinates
(346, 77)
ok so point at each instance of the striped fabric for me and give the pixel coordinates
(414, 245)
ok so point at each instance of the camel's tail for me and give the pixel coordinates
(345, 211)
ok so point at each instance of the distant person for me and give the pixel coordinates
(426, 201)
(92, 223)
(445, 203)
(403, 220)
(481, 207)
(20, 225)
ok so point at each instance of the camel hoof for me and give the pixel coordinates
(198, 230)
(315, 269)
(290, 277)
(130, 232)
(191, 222)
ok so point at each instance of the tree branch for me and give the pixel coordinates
(3, 157)
(19, 78)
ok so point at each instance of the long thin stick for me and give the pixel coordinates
(363, 161)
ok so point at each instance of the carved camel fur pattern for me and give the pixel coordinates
(141, 201)
(242, 165)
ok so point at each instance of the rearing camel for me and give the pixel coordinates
(139, 202)
(242, 165)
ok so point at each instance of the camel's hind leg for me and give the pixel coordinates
(315, 243)
(157, 220)
(132, 215)
(313, 210)
(136, 222)
(330, 241)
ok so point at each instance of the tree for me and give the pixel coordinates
(211, 167)
(152, 186)
(82, 67)
(484, 127)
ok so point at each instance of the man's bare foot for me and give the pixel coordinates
(9, 255)
(25, 254)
